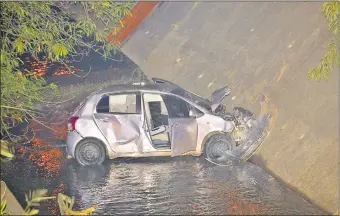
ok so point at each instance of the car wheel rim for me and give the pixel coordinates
(218, 149)
(89, 153)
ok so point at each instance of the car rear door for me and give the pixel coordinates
(119, 117)
(183, 128)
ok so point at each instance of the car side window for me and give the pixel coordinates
(120, 104)
(103, 105)
(177, 107)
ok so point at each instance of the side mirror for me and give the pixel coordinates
(195, 113)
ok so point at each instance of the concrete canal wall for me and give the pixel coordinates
(255, 48)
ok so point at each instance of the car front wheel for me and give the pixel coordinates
(90, 152)
(218, 146)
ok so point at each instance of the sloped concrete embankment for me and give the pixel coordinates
(255, 48)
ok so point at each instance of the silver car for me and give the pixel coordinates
(158, 119)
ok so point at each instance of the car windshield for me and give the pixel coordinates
(193, 97)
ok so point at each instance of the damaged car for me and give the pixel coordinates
(160, 119)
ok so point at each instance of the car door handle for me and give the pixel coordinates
(105, 120)
(176, 125)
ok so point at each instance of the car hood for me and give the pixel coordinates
(217, 97)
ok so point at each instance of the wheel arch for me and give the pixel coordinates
(208, 136)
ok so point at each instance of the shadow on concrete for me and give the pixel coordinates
(259, 161)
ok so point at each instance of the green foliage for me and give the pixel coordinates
(331, 10)
(53, 30)
(6, 150)
(33, 199)
(2, 207)
(66, 204)
(327, 63)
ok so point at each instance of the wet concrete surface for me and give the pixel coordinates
(180, 185)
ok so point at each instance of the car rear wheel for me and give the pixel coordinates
(218, 146)
(90, 152)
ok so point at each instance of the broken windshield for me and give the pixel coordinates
(193, 97)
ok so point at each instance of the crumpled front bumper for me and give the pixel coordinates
(257, 135)
(255, 138)
(265, 123)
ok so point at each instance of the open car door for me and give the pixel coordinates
(183, 128)
(183, 135)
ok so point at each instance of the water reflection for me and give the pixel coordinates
(180, 186)
(166, 186)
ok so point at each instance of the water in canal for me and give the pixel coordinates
(181, 185)
(184, 185)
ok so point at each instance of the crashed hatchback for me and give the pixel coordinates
(160, 119)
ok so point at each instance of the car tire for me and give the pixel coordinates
(90, 152)
(218, 145)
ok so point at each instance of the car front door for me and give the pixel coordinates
(183, 128)
(156, 116)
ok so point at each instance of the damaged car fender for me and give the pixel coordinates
(211, 124)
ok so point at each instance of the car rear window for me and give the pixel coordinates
(103, 105)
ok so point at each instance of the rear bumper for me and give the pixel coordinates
(73, 138)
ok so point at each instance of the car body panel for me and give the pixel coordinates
(121, 131)
(72, 139)
(209, 124)
(183, 135)
(217, 97)
(87, 128)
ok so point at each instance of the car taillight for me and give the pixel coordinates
(71, 123)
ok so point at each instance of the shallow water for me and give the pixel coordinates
(185, 185)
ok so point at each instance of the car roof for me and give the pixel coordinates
(157, 87)
(167, 88)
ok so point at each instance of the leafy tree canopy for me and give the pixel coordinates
(331, 58)
(56, 31)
